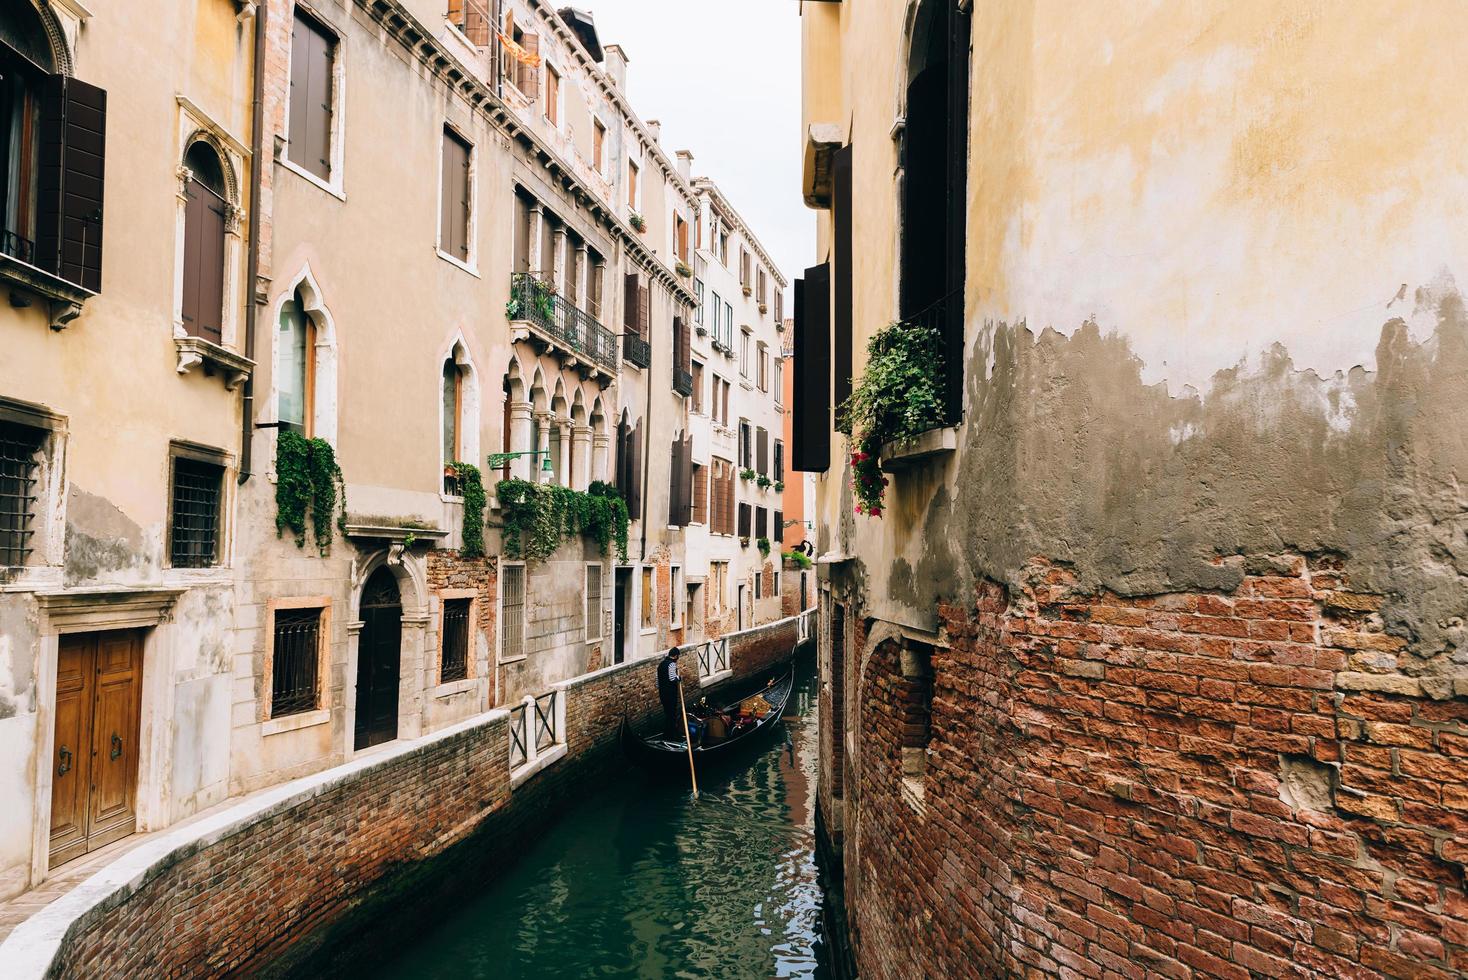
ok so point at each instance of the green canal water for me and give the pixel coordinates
(639, 880)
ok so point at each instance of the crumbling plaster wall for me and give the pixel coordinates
(1211, 306)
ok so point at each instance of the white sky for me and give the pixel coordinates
(723, 77)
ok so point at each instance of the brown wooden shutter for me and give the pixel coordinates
(631, 293)
(779, 461)
(810, 450)
(527, 79)
(743, 520)
(841, 273)
(203, 285)
(454, 199)
(634, 502)
(777, 529)
(300, 90)
(644, 313)
(699, 511)
(70, 179)
(762, 451)
(673, 471)
(318, 133)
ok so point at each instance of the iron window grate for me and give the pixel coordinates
(293, 680)
(194, 539)
(593, 602)
(19, 463)
(455, 665)
(512, 611)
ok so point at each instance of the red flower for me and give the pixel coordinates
(876, 512)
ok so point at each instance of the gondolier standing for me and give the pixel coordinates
(669, 688)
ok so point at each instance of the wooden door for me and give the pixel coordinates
(379, 659)
(95, 780)
(619, 617)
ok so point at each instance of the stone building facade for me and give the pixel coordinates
(233, 438)
(1150, 663)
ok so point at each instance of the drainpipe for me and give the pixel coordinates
(646, 455)
(252, 263)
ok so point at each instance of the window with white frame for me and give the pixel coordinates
(456, 198)
(314, 89)
(512, 611)
(676, 610)
(593, 602)
(698, 296)
(649, 598)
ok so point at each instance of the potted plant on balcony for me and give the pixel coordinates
(779, 486)
(746, 474)
(638, 222)
(898, 398)
(762, 481)
(683, 269)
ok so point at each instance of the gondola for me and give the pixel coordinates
(667, 753)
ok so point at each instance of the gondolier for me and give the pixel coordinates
(668, 684)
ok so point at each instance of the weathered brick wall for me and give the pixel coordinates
(1234, 785)
(759, 649)
(448, 570)
(238, 902)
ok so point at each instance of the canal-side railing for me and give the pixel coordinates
(537, 731)
(805, 626)
(713, 657)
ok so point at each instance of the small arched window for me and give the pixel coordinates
(295, 390)
(206, 213)
(453, 411)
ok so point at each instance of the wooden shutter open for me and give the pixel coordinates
(73, 136)
(634, 500)
(841, 272)
(631, 293)
(454, 197)
(644, 312)
(527, 78)
(203, 272)
(762, 451)
(810, 449)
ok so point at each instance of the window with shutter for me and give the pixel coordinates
(599, 146)
(644, 312)
(696, 370)
(527, 76)
(841, 275)
(634, 502)
(312, 89)
(552, 96)
(744, 520)
(73, 127)
(779, 461)
(631, 295)
(762, 452)
(777, 528)
(455, 197)
(811, 430)
(205, 215)
(761, 522)
(631, 184)
(699, 510)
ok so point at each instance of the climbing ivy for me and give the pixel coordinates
(537, 517)
(471, 486)
(308, 479)
(898, 397)
(764, 546)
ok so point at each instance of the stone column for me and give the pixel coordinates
(563, 465)
(583, 274)
(537, 239)
(599, 445)
(581, 457)
(558, 259)
(538, 475)
(520, 438)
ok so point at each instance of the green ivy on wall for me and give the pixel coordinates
(537, 517)
(471, 486)
(308, 479)
(898, 397)
(764, 546)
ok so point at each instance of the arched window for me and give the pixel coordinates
(935, 180)
(25, 61)
(453, 410)
(296, 386)
(206, 214)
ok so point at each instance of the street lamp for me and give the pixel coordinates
(497, 460)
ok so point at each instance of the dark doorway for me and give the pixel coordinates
(619, 628)
(379, 656)
(935, 183)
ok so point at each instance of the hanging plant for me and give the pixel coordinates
(764, 546)
(779, 486)
(683, 269)
(471, 488)
(308, 480)
(762, 481)
(538, 517)
(898, 397)
(746, 474)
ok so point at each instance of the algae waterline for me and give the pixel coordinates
(637, 880)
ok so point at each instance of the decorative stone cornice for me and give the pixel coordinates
(706, 185)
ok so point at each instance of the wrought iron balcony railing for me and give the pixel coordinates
(636, 350)
(564, 325)
(17, 247)
(682, 382)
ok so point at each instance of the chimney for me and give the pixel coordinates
(685, 164)
(616, 64)
(655, 127)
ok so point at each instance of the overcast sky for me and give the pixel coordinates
(723, 77)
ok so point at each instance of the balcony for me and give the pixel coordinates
(572, 333)
(682, 382)
(635, 350)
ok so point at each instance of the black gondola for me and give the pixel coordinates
(663, 752)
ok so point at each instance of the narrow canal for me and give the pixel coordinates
(639, 880)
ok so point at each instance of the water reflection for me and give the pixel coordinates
(640, 881)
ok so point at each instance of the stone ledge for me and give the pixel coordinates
(195, 351)
(519, 777)
(904, 453)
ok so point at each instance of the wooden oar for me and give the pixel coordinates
(687, 739)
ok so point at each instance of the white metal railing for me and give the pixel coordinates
(805, 625)
(537, 725)
(713, 657)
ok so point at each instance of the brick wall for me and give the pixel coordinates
(1237, 785)
(447, 570)
(317, 853)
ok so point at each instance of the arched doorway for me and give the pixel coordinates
(379, 656)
